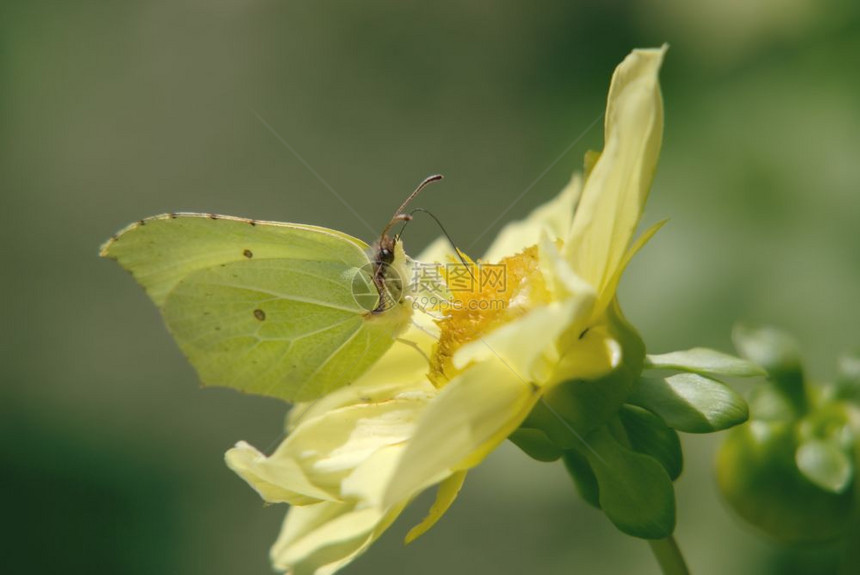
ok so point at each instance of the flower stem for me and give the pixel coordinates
(669, 556)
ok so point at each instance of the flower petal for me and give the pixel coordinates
(523, 344)
(527, 345)
(322, 452)
(369, 480)
(618, 185)
(320, 539)
(608, 293)
(594, 354)
(402, 369)
(553, 218)
(445, 496)
(285, 482)
(475, 412)
(438, 251)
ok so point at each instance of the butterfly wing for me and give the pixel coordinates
(263, 307)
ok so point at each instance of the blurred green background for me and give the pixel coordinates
(110, 455)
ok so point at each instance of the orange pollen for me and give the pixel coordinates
(482, 301)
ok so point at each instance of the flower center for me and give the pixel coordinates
(483, 300)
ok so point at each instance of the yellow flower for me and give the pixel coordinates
(559, 322)
(353, 460)
(336, 461)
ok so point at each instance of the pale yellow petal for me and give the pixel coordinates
(333, 445)
(640, 242)
(475, 412)
(283, 481)
(553, 218)
(321, 452)
(323, 538)
(592, 355)
(561, 279)
(439, 251)
(445, 496)
(617, 187)
(527, 345)
(368, 482)
(400, 370)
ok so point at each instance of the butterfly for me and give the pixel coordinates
(279, 309)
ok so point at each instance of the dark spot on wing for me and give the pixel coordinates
(259, 314)
(248, 253)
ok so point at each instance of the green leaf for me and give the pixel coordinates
(650, 435)
(583, 477)
(634, 489)
(691, 403)
(824, 464)
(535, 443)
(706, 362)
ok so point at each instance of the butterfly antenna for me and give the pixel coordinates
(444, 232)
(399, 216)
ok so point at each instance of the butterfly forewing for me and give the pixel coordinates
(263, 307)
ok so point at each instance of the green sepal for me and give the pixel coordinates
(649, 434)
(825, 464)
(583, 477)
(704, 361)
(634, 489)
(536, 444)
(588, 404)
(691, 403)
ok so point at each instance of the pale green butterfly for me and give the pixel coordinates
(285, 310)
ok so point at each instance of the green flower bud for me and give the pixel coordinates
(790, 471)
(758, 474)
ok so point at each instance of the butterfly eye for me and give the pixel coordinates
(386, 256)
